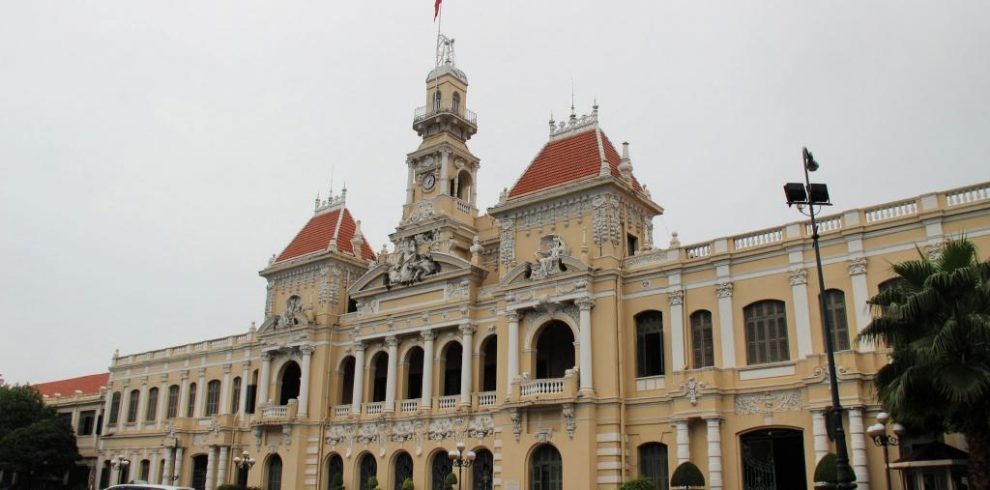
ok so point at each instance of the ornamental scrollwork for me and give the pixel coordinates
(798, 277)
(857, 266)
(724, 289)
(768, 402)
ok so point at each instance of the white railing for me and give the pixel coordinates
(447, 402)
(342, 410)
(699, 251)
(275, 412)
(543, 386)
(759, 238)
(891, 211)
(463, 206)
(966, 196)
(410, 405)
(825, 225)
(374, 408)
(423, 112)
(486, 399)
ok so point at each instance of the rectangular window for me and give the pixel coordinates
(632, 244)
(649, 344)
(173, 402)
(252, 398)
(766, 332)
(835, 306)
(212, 398)
(701, 339)
(191, 406)
(114, 409)
(152, 409)
(87, 420)
(132, 406)
(235, 396)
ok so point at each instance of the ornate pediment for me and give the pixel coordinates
(560, 266)
(381, 276)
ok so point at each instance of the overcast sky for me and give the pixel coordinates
(153, 155)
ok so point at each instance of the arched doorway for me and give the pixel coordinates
(335, 471)
(653, 464)
(483, 470)
(440, 467)
(273, 473)
(346, 381)
(773, 459)
(379, 369)
(289, 386)
(554, 350)
(489, 364)
(452, 369)
(367, 468)
(403, 468)
(414, 373)
(546, 469)
(199, 471)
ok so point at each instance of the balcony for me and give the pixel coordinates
(547, 389)
(485, 399)
(411, 405)
(279, 414)
(374, 408)
(448, 402)
(424, 112)
(341, 410)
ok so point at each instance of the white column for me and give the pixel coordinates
(307, 361)
(585, 370)
(183, 394)
(200, 389)
(358, 392)
(222, 466)
(513, 351)
(802, 322)
(427, 400)
(726, 332)
(714, 454)
(683, 441)
(161, 412)
(676, 300)
(169, 465)
(467, 355)
(393, 366)
(819, 434)
(142, 403)
(178, 466)
(245, 380)
(444, 185)
(225, 390)
(106, 410)
(857, 441)
(266, 367)
(409, 184)
(97, 470)
(153, 468)
(211, 467)
(861, 294)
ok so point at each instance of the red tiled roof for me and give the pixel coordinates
(89, 385)
(567, 160)
(316, 236)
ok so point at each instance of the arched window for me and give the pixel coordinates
(489, 364)
(403, 469)
(702, 343)
(274, 473)
(152, 409)
(554, 350)
(235, 395)
(452, 369)
(437, 96)
(649, 344)
(335, 471)
(145, 469)
(766, 332)
(653, 464)
(114, 408)
(440, 467)
(456, 106)
(191, 402)
(132, 405)
(290, 383)
(346, 380)
(414, 373)
(546, 469)
(368, 469)
(200, 465)
(483, 470)
(172, 410)
(212, 397)
(835, 308)
(379, 366)
(462, 186)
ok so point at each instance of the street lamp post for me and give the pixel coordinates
(878, 432)
(244, 462)
(120, 464)
(811, 195)
(461, 459)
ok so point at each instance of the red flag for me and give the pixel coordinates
(436, 9)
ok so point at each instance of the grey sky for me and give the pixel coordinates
(154, 155)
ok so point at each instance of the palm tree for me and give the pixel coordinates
(936, 320)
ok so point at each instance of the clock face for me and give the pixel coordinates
(429, 181)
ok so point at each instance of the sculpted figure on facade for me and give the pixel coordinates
(410, 266)
(295, 314)
(548, 258)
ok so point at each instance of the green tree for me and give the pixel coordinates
(687, 475)
(936, 320)
(34, 442)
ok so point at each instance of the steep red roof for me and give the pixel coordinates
(316, 236)
(89, 385)
(566, 160)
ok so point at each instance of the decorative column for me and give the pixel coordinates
(245, 374)
(225, 390)
(444, 161)
(676, 300)
(183, 395)
(725, 328)
(426, 401)
(857, 440)
(857, 275)
(161, 411)
(513, 368)
(222, 466)
(177, 476)
(410, 178)
(266, 367)
(802, 323)
(467, 355)
(200, 388)
(153, 467)
(714, 454)
(683, 441)
(393, 366)
(211, 467)
(307, 361)
(358, 391)
(586, 375)
(169, 465)
(819, 434)
(142, 403)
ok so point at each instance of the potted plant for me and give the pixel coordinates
(687, 476)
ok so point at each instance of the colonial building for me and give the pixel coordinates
(547, 333)
(80, 402)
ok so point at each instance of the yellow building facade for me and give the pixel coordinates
(547, 333)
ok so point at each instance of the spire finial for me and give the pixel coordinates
(594, 108)
(573, 114)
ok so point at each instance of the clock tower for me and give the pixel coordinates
(442, 173)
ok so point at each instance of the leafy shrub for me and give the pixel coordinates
(372, 484)
(450, 481)
(687, 475)
(407, 484)
(638, 484)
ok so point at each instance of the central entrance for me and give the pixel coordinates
(773, 459)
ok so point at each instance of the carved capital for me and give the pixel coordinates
(798, 277)
(676, 298)
(392, 341)
(429, 335)
(202, 372)
(359, 345)
(226, 368)
(267, 356)
(245, 365)
(856, 266)
(307, 350)
(163, 378)
(467, 329)
(184, 374)
(512, 316)
(585, 303)
(724, 289)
